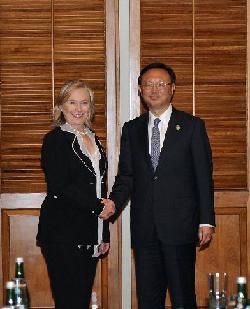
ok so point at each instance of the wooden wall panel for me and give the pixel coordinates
(227, 252)
(134, 303)
(44, 44)
(220, 85)
(79, 49)
(19, 228)
(25, 92)
(167, 36)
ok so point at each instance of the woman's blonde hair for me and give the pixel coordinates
(63, 96)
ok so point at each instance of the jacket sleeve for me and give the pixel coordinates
(123, 183)
(60, 181)
(203, 168)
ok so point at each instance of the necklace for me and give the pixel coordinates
(82, 133)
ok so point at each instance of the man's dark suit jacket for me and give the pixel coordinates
(70, 210)
(178, 196)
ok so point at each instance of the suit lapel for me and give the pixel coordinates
(84, 159)
(143, 140)
(76, 148)
(170, 137)
(103, 160)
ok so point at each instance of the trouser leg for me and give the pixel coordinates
(150, 277)
(72, 272)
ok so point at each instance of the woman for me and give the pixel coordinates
(71, 232)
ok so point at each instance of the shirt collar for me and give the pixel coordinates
(68, 128)
(165, 117)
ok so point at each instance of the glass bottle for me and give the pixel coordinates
(241, 292)
(10, 294)
(19, 270)
(211, 296)
(217, 290)
(22, 299)
(223, 303)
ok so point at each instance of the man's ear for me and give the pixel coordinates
(139, 91)
(173, 88)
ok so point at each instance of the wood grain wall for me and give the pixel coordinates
(43, 44)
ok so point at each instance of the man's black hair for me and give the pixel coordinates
(158, 65)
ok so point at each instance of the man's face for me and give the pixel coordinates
(157, 90)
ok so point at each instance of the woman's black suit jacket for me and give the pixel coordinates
(70, 210)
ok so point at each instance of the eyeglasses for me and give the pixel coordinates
(160, 85)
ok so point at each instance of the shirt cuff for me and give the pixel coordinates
(205, 224)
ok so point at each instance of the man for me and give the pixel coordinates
(165, 167)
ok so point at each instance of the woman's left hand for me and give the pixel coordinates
(104, 248)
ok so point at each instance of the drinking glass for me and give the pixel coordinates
(217, 290)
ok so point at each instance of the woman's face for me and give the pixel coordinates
(76, 108)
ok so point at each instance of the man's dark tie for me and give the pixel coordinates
(155, 144)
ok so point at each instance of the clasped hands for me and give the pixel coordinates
(108, 209)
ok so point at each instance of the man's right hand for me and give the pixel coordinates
(108, 210)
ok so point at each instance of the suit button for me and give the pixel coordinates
(155, 178)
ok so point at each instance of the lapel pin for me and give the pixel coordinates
(178, 127)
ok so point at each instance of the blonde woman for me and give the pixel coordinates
(72, 231)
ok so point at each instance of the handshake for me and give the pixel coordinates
(108, 209)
